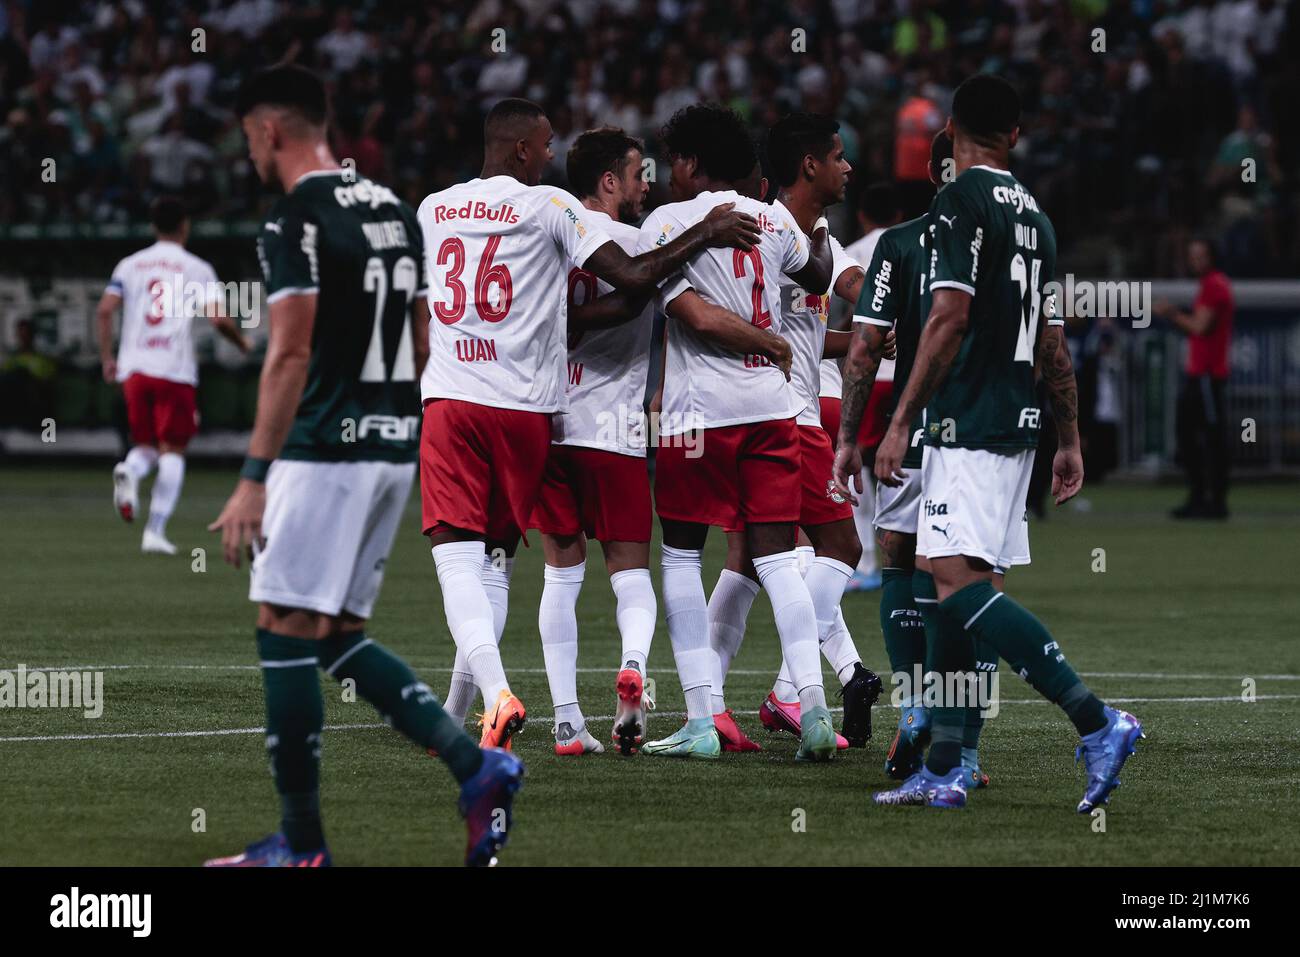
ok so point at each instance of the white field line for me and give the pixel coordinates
(549, 719)
(1154, 675)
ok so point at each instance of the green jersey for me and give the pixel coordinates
(894, 296)
(990, 239)
(359, 248)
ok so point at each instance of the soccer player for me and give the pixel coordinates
(330, 466)
(729, 449)
(807, 159)
(992, 252)
(155, 362)
(499, 249)
(596, 484)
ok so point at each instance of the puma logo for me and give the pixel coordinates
(944, 531)
(948, 220)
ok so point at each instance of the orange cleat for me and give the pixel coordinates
(733, 739)
(778, 715)
(503, 722)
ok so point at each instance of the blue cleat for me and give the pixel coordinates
(861, 582)
(273, 851)
(485, 802)
(1104, 753)
(975, 778)
(908, 749)
(923, 788)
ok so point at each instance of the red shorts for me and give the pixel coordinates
(604, 494)
(481, 467)
(876, 416)
(830, 416)
(730, 475)
(160, 410)
(818, 504)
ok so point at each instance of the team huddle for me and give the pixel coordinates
(527, 314)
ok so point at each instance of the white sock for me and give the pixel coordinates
(141, 460)
(864, 513)
(729, 606)
(557, 620)
(462, 692)
(688, 627)
(796, 623)
(826, 580)
(496, 583)
(840, 650)
(783, 687)
(805, 555)
(469, 614)
(166, 490)
(635, 611)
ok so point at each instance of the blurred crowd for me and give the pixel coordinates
(1145, 120)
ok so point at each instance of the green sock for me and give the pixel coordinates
(951, 653)
(401, 698)
(926, 599)
(901, 623)
(1018, 636)
(295, 714)
(986, 664)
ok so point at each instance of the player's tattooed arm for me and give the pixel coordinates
(859, 373)
(940, 339)
(723, 226)
(848, 285)
(104, 312)
(728, 330)
(1063, 393)
(815, 276)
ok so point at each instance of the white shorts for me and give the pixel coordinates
(896, 507)
(329, 527)
(974, 504)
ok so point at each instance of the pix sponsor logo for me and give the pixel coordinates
(175, 298)
(958, 689)
(43, 688)
(76, 910)
(1091, 299)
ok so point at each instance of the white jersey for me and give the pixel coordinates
(498, 254)
(163, 288)
(706, 386)
(862, 250)
(803, 323)
(832, 380)
(607, 367)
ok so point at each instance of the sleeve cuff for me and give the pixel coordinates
(292, 291)
(874, 321)
(953, 284)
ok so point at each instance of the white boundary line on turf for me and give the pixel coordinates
(548, 719)
(1155, 675)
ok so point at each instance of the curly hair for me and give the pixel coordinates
(715, 137)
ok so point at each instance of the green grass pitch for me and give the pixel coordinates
(1180, 616)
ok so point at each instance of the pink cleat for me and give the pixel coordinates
(733, 739)
(778, 715)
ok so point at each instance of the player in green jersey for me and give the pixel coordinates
(330, 466)
(992, 253)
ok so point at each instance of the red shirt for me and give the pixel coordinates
(1208, 354)
(918, 120)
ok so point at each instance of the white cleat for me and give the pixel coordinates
(155, 544)
(124, 492)
(568, 741)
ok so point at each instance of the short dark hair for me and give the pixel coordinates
(289, 86)
(987, 108)
(715, 137)
(507, 117)
(167, 213)
(880, 202)
(940, 153)
(795, 136)
(595, 153)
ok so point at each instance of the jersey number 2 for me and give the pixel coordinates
(760, 316)
(406, 280)
(1028, 280)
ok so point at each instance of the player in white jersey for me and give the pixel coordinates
(161, 290)
(498, 250)
(596, 485)
(729, 448)
(807, 158)
(879, 209)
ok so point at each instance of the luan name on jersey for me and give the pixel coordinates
(990, 239)
(358, 248)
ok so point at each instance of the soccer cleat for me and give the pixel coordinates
(634, 703)
(125, 496)
(485, 803)
(908, 749)
(975, 778)
(861, 582)
(688, 743)
(924, 789)
(1104, 753)
(273, 851)
(503, 722)
(155, 544)
(817, 739)
(778, 715)
(733, 739)
(859, 695)
(569, 741)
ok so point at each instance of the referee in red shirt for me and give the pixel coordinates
(1202, 414)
